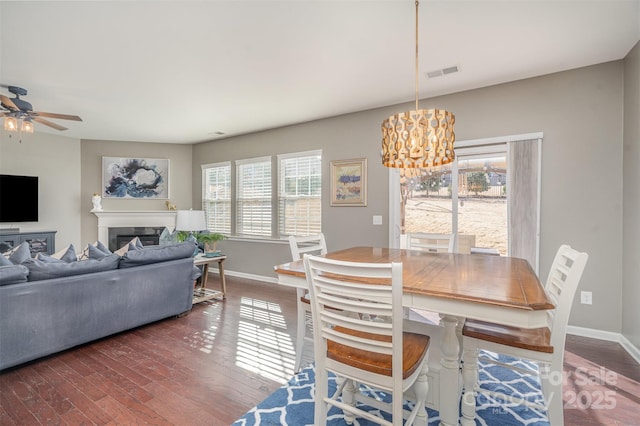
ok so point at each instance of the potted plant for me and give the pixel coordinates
(209, 241)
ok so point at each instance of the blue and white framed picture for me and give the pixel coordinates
(135, 178)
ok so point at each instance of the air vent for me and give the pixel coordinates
(217, 133)
(450, 70)
(444, 71)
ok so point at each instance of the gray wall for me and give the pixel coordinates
(581, 115)
(56, 161)
(92, 152)
(631, 160)
(579, 111)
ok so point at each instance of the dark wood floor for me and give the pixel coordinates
(212, 365)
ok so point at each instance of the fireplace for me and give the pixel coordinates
(119, 236)
(129, 224)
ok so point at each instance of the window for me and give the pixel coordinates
(216, 196)
(253, 197)
(299, 193)
(489, 197)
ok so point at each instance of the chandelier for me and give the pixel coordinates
(422, 138)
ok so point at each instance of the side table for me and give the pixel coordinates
(201, 292)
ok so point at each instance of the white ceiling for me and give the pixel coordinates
(178, 71)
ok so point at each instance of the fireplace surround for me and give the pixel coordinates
(149, 224)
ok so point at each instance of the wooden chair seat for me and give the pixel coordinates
(414, 349)
(535, 339)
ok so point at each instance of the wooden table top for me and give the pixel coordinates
(496, 280)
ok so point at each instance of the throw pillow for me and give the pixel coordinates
(134, 244)
(67, 254)
(13, 274)
(94, 252)
(167, 237)
(86, 254)
(102, 247)
(4, 261)
(20, 253)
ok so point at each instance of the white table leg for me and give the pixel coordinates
(450, 373)
(469, 378)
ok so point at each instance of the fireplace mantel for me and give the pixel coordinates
(121, 218)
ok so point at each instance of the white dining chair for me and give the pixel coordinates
(359, 337)
(431, 242)
(544, 346)
(312, 244)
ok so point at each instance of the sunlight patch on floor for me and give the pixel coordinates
(263, 344)
(203, 340)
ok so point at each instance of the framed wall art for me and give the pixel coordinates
(135, 178)
(349, 182)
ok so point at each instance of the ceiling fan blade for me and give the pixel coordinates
(60, 116)
(48, 123)
(8, 103)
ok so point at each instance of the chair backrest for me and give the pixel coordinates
(311, 244)
(368, 298)
(431, 242)
(561, 287)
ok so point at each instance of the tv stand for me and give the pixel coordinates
(39, 242)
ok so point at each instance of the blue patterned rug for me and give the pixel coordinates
(292, 404)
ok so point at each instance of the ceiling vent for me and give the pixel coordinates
(444, 71)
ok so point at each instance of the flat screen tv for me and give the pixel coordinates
(18, 198)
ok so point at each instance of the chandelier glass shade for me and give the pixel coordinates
(14, 124)
(422, 138)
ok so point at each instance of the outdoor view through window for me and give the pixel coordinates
(481, 195)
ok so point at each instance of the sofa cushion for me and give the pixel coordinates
(48, 259)
(39, 270)
(155, 254)
(13, 274)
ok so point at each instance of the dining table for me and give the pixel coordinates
(499, 289)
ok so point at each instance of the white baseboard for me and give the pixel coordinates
(271, 280)
(608, 336)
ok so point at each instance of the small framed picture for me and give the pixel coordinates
(135, 178)
(349, 182)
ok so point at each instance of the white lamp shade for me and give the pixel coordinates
(190, 220)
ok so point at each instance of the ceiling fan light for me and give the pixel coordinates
(27, 126)
(10, 124)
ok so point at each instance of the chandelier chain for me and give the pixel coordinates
(417, 91)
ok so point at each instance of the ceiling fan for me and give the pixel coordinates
(15, 110)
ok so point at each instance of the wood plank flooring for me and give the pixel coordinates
(212, 365)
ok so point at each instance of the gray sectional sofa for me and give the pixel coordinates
(46, 307)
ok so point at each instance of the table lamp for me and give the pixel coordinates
(191, 221)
